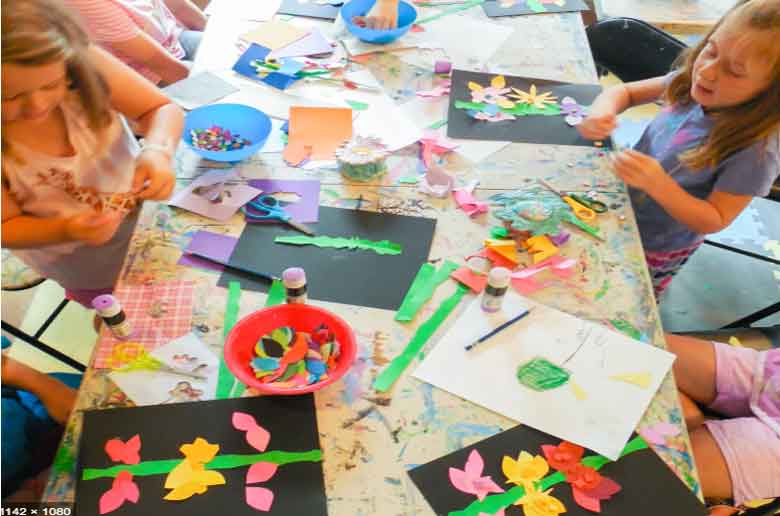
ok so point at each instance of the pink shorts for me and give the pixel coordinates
(84, 296)
(751, 448)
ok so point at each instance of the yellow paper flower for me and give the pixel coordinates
(531, 97)
(473, 86)
(537, 503)
(498, 82)
(526, 470)
(190, 477)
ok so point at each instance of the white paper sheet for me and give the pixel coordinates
(187, 353)
(487, 375)
(275, 141)
(258, 10)
(232, 198)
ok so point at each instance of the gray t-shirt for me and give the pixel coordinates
(676, 129)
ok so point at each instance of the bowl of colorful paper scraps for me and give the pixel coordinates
(290, 349)
(359, 8)
(226, 132)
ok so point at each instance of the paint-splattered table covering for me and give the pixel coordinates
(369, 440)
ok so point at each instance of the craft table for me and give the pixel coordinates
(684, 16)
(370, 439)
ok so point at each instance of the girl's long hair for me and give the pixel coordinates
(39, 32)
(736, 127)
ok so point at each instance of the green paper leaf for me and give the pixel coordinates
(225, 378)
(357, 105)
(422, 288)
(379, 247)
(462, 104)
(387, 378)
(439, 124)
(499, 232)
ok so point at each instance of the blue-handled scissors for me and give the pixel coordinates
(266, 208)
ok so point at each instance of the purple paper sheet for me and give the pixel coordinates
(312, 44)
(307, 209)
(213, 245)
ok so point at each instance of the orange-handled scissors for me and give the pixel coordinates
(581, 211)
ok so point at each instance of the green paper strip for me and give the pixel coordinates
(438, 125)
(357, 106)
(536, 6)
(160, 467)
(519, 109)
(462, 104)
(387, 378)
(449, 11)
(494, 503)
(626, 328)
(409, 180)
(380, 247)
(225, 378)
(499, 232)
(422, 288)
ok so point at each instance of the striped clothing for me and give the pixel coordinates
(663, 265)
(109, 22)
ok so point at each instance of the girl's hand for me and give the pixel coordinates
(601, 119)
(93, 228)
(154, 179)
(640, 171)
(384, 15)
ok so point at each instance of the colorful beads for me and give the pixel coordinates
(216, 138)
(286, 358)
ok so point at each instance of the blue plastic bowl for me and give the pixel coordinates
(406, 17)
(248, 122)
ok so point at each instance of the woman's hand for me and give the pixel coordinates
(154, 178)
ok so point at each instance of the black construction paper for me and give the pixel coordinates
(310, 9)
(493, 8)
(298, 488)
(649, 487)
(543, 129)
(350, 276)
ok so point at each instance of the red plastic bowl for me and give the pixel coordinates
(240, 343)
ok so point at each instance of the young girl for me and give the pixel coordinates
(713, 148)
(737, 458)
(72, 172)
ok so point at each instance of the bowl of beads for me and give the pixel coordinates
(359, 8)
(226, 132)
(290, 349)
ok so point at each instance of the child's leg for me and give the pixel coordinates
(695, 368)
(663, 265)
(693, 415)
(711, 465)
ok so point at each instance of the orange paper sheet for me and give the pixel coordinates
(317, 132)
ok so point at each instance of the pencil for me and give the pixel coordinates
(268, 277)
(496, 330)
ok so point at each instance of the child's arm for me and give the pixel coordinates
(143, 49)
(159, 120)
(188, 14)
(57, 397)
(602, 115)
(22, 231)
(700, 215)
(384, 15)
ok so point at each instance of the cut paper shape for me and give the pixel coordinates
(387, 378)
(198, 90)
(642, 475)
(231, 196)
(214, 245)
(257, 436)
(642, 380)
(475, 281)
(526, 469)
(357, 105)
(422, 288)
(540, 503)
(658, 432)
(260, 472)
(540, 248)
(540, 374)
(225, 380)
(312, 44)
(470, 479)
(589, 352)
(574, 113)
(251, 65)
(274, 35)
(439, 91)
(433, 143)
(497, 259)
(534, 98)
(322, 129)
(190, 477)
(259, 498)
(467, 202)
(381, 247)
(306, 209)
(506, 248)
(123, 489)
(558, 265)
(436, 182)
(125, 452)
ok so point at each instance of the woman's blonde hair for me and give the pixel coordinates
(38, 32)
(736, 127)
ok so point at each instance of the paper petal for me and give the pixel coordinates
(484, 486)
(259, 498)
(110, 501)
(258, 438)
(473, 86)
(243, 421)
(185, 491)
(474, 465)
(460, 481)
(657, 433)
(498, 82)
(605, 490)
(260, 472)
(127, 453)
(471, 279)
(585, 501)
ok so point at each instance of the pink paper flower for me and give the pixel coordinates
(489, 95)
(122, 490)
(256, 435)
(260, 498)
(470, 479)
(125, 452)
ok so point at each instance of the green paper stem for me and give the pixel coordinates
(438, 125)
(160, 467)
(276, 294)
(494, 503)
(387, 378)
(379, 247)
(449, 11)
(411, 180)
(422, 288)
(519, 109)
(225, 378)
(536, 6)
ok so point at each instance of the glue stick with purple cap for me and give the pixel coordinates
(294, 279)
(108, 307)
